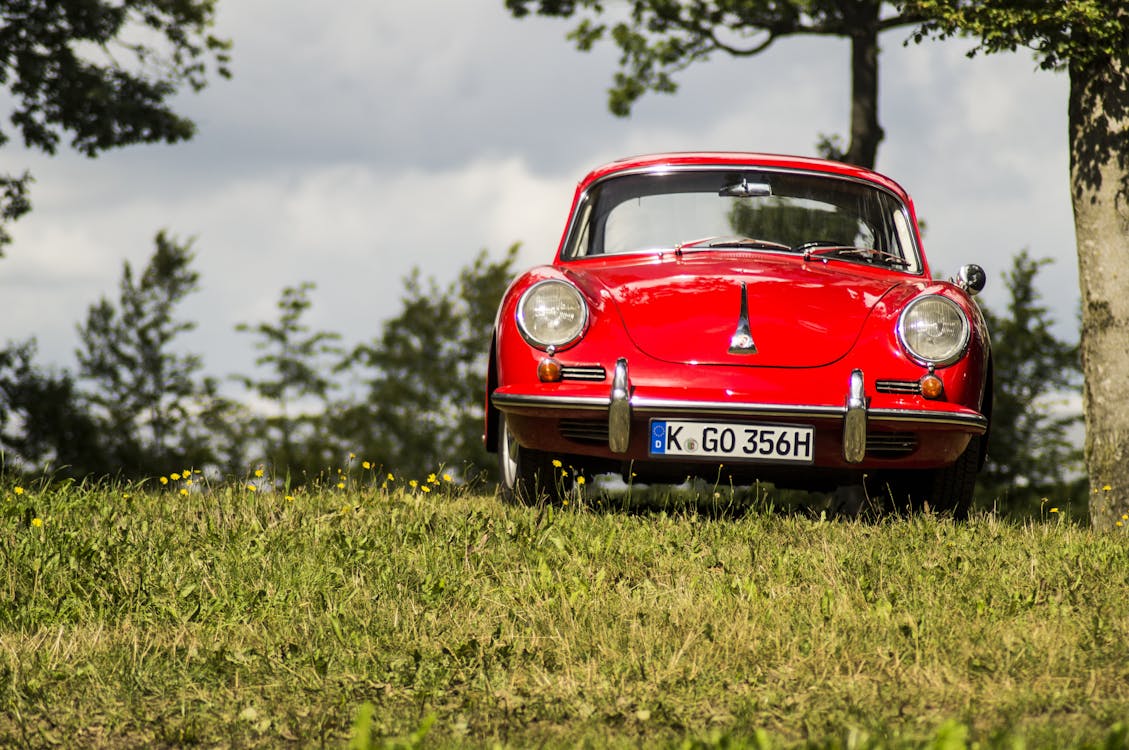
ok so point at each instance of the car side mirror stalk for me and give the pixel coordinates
(971, 278)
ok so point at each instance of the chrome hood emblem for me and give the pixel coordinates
(742, 340)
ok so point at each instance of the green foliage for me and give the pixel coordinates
(101, 72)
(143, 390)
(1032, 454)
(14, 202)
(293, 437)
(1062, 34)
(43, 419)
(425, 375)
(174, 616)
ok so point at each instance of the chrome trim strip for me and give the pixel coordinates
(940, 418)
(641, 406)
(594, 403)
(787, 411)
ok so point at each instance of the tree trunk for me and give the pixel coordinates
(1099, 175)
(866, 133)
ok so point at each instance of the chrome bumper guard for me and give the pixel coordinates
(619, 410)
(854, 421)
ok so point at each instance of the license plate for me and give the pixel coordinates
(749, 442)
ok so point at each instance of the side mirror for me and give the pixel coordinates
(971, 278)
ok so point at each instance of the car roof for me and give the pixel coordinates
(739, 159)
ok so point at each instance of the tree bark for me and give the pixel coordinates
(866, 132)
(1099, 175)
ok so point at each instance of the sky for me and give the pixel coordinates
(359, 140)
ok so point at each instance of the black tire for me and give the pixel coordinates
(527, 476)
(953, 485)
(945, 490)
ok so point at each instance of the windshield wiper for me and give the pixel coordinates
(747, 242)
(818, 248)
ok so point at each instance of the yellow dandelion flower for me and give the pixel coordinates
(413, 484)
(289, 498)
(366, 465)
(164, 480)
(432, 479)
(125, 496)
(1125, 516)
(564, 472)
(174, 476)
(556, 464)
(352, 456)
(1119, 524)
(564, 502)
(37, 522)
(186, 473)
(251, 488)
(447, 478)
(425, 488)
(258, 472)
(184, 490)
(340, 485)
(580, 481)
(1054, 510)
(1107, 488)
(391, 478)
(19, 490)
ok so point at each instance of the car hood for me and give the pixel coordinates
(685, 309)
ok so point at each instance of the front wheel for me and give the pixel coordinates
(945, 490)
(527, 476)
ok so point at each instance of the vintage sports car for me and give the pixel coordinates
(742, 317)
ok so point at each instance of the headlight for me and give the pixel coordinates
(551, 313)
(934, 330)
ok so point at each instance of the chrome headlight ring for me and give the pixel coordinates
(552, 313)
(934, 330)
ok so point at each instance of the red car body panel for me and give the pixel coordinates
(668, 316)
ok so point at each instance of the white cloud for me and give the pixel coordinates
(360, 139)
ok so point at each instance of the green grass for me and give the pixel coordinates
(134, 617)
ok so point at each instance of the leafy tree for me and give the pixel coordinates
(659, 38)
(144, 389)
(1030, 450)
(1089, 39)
(293, 440)
(44, 422)
(425, 376)
(102, 72)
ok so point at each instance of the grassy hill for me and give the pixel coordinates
(379, 614)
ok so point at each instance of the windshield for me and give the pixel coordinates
(817, 215)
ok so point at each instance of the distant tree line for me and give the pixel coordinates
(410, 400)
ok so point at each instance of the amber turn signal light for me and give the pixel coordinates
(932, 387)
(549, 370)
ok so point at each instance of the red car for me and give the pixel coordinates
(742, 317)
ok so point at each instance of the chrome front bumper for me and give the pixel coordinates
(856, 414)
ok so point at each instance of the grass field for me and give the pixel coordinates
(381, 615)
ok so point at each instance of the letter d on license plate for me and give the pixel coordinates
(748, 442)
